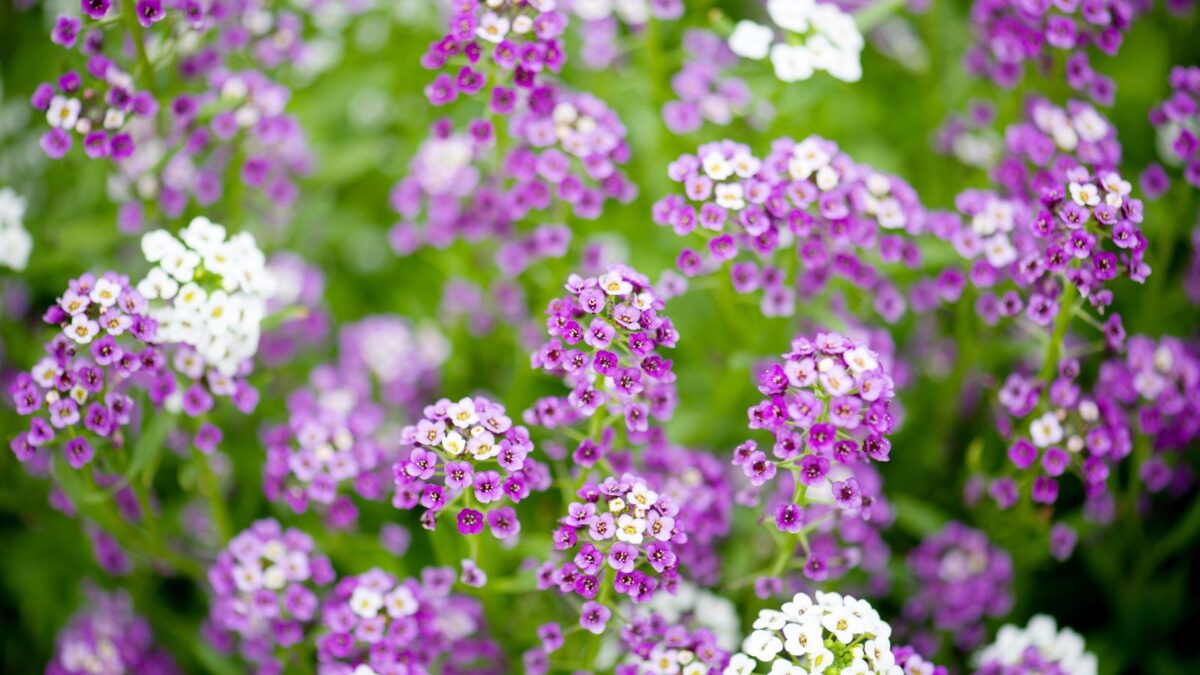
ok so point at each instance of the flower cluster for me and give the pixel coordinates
(1037, 648)
(335, 426)
(211, 292)
(1011, 34)
(832, 632)
(816, 36)
(657, 646)
(605, 340)
(468, 458)
(235, 130)
(623, 536)
(807, 200)
(1084, 433)
(1064, 214)
(961, 578)
(1158, 381)
(375, 623)
(404, 359)
(1177, 120)
(97, 107)
(107, 636)
(519, 37)
(107, 338)
(705, 92)
(299, 288)
(827, 405)
(263, 589)
(15, 242)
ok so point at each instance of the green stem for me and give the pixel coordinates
(1066, 310)
(211, 488)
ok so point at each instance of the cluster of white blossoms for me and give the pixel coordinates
(808, 637)
(212, 291)
(15, 242)
(818, 36)
(1038, 647)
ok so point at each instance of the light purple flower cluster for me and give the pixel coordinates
(1012, 34)
(97, 106)
(558, 150)
(1158, 381)
(706, 93)
(510, 42)
(1177, 120)
(106, 339)
(606, 336)
(468, 459)
(485, 310)
(805, 203)
(658, 646)
(1074, 432)
(376, 623)
(300, 287)
(914, 663)
(235, 131)
(404, 359)
(1063, 214)
(263, 591)
(335, 427)
(107, 636)
(962, 578)
(622, 535)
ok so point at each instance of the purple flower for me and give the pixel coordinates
(593, 617)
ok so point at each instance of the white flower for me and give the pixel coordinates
(751, 40)
(12, 209)
(792, 63)
(999, 250)
(861, 360)
(453, 444)
(492, 27)
(202, 235)
(105, 292)
(762, 645)
(15, 246)
(807, 157)
(1046, 430)
(791, 15)
(740, 664)
(365, 602)
(463, 413)
(400, 602)
(842, 623)
(158, 244)
(827, 178)
(82, 329)
(746, 165)
(612, 283)
(819, 661)
(785, 667)
(716, 166)
(1085, 195)
(630, 529)
(643, 496)
(63, 112)
(1090, 125)
(890, 215)
(802, 638)
(182, 264)
(730, 196)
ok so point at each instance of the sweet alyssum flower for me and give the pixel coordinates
(816, 36)
(962, 578)
(106, 347)
(108, 636)
(622, 537)
(467, 459)
(1177, 121)
(656, 646)
(606, 340)
(832, 633)
(1158, 382)
(805, 199)
(495, 46)
(1070, 432)
(376, 623)
(95, 108)
(1010, 34)
(1038, 647)
(1063, 215)
(705, 91)
(264, 590)
(208, 292)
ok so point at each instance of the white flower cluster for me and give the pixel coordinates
(1063, 649)
(808, 637)
(1067, 129)
(15, 242)
(630, 12)
(819, 37)
(495, 25)
(213, 291)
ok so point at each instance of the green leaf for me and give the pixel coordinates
(148, 449)
(916, 517)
